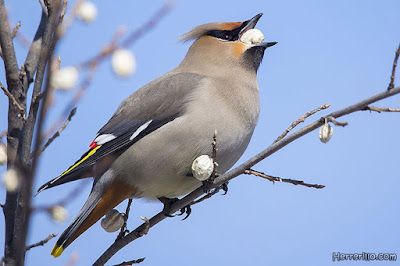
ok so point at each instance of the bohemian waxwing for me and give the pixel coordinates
(147, 147)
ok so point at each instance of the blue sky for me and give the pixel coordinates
(335, 52)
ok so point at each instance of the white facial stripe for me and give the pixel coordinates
(100, 140)
(140, 129)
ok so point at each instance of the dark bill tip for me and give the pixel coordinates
(268, 44)
(251, 23)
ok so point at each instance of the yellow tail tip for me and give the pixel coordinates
(57, 250)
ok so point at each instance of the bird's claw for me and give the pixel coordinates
(167, 208)
(224, 187)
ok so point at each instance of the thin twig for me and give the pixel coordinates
(379, 109)
(274, 179)
(123, 231)
(50, 140)
(40, 243)
(396, 57)
(14, 101)
(118, 245)
(333, 121)
(134, 36)
(15, 30)
(214, 156)
(300, 120)
(69, 19)
(63, 9)
(4, 133)
(131, 262)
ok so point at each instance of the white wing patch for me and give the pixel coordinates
(103, 138)
(140, 129)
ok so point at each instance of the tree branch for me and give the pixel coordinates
(15, 125)
(396, 58)
(300, 120)
(131, 262)
(40, 243)
(23, 208)
(50, 140)
(379, 109)
(15, 30)
(274, 179)
(134, 36)
(14, 101)
(241, 169)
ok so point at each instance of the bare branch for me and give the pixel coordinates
(241, 169)
(126, 216)
(15, 30)
(14, 101)
(131, 262)
(4, 133)
(333, 121)
(50, 140)
(214, 156)
(63, 9)
(379, 109)
(396, 58)
(300, 120)
(134, 36)
(23, 208)
(12, 249)
(40, 243)
(70, 18)
(274, 179)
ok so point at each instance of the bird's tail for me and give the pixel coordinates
(100, 202)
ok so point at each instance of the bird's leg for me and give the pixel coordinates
(167, 207)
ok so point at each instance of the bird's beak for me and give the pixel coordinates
(267, 44)
(250, 24)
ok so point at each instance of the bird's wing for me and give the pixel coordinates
(143, 112)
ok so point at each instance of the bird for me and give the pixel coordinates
(147, 147)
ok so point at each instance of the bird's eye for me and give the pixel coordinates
(227, 37)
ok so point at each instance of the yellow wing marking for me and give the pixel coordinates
(83, 159)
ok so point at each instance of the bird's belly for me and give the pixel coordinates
(166, 186)
(165, 169)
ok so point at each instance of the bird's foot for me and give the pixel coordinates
(167, 208)
(224, 187)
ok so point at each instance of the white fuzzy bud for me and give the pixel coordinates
(123, 62)
(3, 154)
(58, 213)
(325, 133)
(252, 36)
(65, 78)
(113, 221)
(10, 180)
(87, 11)
(202, 167)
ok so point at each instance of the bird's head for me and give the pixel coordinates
(226, 44)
